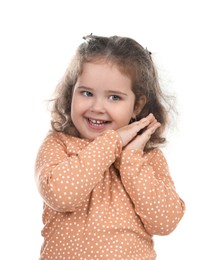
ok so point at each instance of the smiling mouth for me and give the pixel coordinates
(97, 123)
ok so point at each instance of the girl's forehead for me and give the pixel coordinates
(102, 68)
(111, 62)
(104, 75)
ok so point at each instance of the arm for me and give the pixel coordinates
(65, 180)
(147, 180)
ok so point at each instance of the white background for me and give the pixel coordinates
(37, 40)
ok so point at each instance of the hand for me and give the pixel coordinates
(129, 134)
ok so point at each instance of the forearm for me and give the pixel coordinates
(152, 191)
(65, 181)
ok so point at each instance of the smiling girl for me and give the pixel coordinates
(103, 178)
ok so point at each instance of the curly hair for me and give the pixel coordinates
(133, 61)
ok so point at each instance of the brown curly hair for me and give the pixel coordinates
(132, 60)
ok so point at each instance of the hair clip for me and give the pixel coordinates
(87, 36)
(148, 52)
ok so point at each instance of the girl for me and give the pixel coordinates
(103, 178)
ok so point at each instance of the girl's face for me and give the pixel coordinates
(102, 100)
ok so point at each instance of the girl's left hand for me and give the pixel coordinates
(140, 140)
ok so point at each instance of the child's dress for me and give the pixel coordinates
(101, 202)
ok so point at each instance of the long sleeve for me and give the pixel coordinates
(66, 175)
(147, 180)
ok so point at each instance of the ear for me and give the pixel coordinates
(139, 105)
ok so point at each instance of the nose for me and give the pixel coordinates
(98, 106)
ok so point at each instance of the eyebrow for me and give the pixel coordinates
(109, 91)
(117, 92)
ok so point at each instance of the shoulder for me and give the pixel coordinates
(55, 137)
(59, 136)
(65, 140)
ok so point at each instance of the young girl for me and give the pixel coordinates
(103, 178)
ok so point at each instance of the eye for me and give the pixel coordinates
(115, 98)
(86, 93)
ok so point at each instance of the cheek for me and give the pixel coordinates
(76, 105)
(124, 114)
(75, 110)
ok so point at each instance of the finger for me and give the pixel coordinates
(146, 135)
(141, 140)
(144, 122)
(152, 124)
(152, 128)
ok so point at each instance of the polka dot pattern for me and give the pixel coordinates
(101, 202)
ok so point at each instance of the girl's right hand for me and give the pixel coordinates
(130, 132)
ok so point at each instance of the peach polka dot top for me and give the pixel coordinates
(101, 202)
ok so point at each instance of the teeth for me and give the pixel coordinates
(97, 122)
